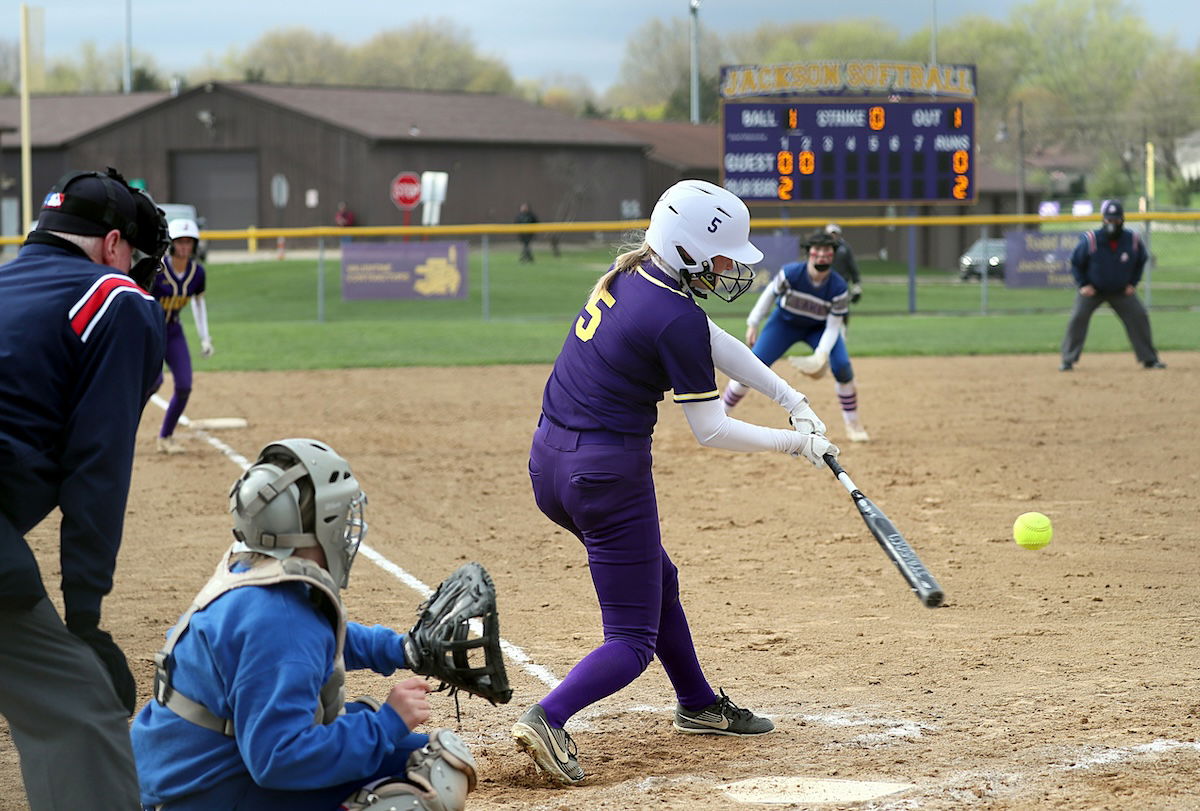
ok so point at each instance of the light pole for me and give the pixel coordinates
(127, 78)
(1002, 136)
(695, 10)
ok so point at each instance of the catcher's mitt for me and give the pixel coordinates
(442, 645)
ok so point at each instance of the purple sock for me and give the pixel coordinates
(601, 673)
(678, 657)
(174, 411)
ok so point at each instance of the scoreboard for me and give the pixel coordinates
(839, 150)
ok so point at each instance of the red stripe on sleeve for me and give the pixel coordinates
(94, 303)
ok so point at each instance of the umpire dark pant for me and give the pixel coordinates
(66, 721)
(1128, 308)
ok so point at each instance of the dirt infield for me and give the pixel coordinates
(1064, 678)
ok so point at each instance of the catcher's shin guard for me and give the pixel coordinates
(439, 776)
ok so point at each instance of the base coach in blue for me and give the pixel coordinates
(81, 343)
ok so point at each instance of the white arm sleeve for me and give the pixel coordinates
(200, 315)
(833, 329)
(765, 300)
(735, 359)
(716, 429)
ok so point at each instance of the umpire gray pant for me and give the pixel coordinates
(69, 728)
(1128, 308)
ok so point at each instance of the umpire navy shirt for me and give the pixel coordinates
(1108, 265)
(80, 347)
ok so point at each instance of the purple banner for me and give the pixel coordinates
(377, 270)
(778, 250)
(1039, 259)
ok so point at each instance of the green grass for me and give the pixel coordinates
(263, 315)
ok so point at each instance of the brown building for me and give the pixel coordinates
(218, 147)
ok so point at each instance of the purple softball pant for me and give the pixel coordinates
(179, 361)
(598, 485)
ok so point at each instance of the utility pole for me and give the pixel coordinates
(1020, 157)
(695, 8)
(128, 72)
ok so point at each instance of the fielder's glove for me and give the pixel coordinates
(813, 365)
(855, 293)
(813, 448)
(85, 625)
(806, 421)
(440, 644)
(206, 348)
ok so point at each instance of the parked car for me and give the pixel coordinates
(184, 211)
(983, 252)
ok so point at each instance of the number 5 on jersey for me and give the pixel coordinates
(585, 330)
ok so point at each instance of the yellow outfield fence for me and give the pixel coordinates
(252, 234)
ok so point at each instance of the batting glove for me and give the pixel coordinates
(806, 421)
(855, 293)
(206, 348)
(813, 447)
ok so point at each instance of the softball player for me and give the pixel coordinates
(812, 303)
(182, 280)
(641, 333)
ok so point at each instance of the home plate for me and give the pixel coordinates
(218, 423)
(785, 790)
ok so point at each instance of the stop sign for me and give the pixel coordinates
(405, 190)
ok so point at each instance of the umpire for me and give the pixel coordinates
(1107, 264)
(80, 346)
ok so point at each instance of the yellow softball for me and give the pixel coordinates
(1032, 530)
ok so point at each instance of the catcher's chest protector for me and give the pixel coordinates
(264, 571)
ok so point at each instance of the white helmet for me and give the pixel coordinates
(300, 493)
(695, 221)
(178, 229)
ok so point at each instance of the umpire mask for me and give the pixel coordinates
(300, 493)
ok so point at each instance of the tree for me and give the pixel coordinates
(295, 55)
(428, 55)
(656, 56)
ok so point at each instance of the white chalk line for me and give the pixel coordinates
(1117, 754)
(511, 651)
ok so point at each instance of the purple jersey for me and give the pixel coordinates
(643, 336)
(174, 289)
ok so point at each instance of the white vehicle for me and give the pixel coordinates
(184, 211)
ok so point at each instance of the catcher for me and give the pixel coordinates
(248, 709)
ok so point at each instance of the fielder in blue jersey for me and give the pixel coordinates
(80, 344)
(640, 334)
(811, 303)
(182, 281)
(249, 710)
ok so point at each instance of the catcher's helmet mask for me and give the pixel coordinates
(300, 493)
(692, 224)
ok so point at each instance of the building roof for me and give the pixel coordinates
(56, 120)
(386, 114)
(677, 143)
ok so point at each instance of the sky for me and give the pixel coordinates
(537, 39)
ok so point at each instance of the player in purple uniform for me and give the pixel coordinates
(641, 333)
(812, 303)
(182, 280)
